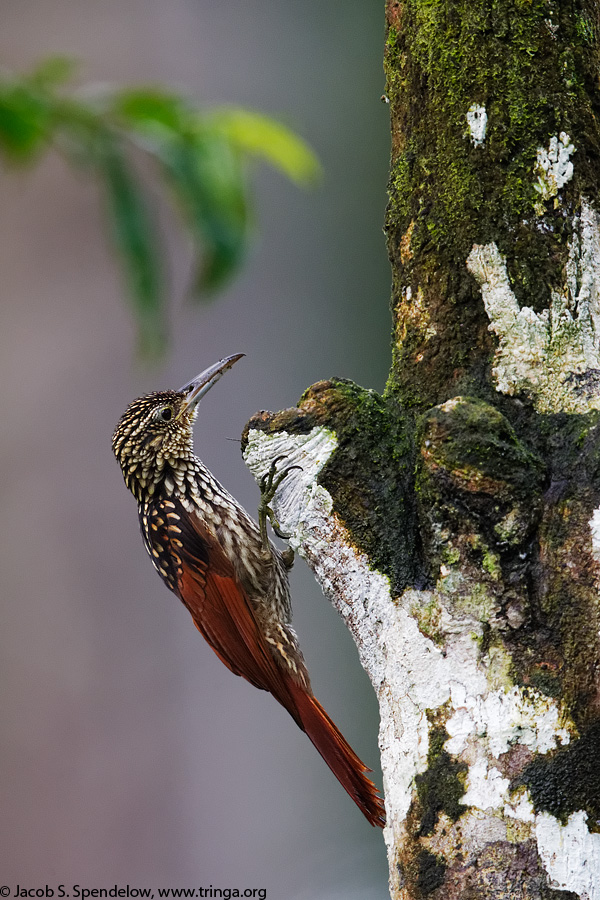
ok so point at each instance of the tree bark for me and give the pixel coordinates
(455, 521)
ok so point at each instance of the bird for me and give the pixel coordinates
(224, 568)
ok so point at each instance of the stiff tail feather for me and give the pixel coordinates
(338, 754)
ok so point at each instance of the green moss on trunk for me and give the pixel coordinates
(370, 475)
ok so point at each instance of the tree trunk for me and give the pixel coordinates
(455, 521)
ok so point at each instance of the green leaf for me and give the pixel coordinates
(150, 110)
(28, 108)
(207, 177)
(25, 121)
(135, 240)
(262, 136)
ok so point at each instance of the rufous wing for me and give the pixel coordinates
(194, 566)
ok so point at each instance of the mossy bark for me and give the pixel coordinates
(533, 67)
(472, 487)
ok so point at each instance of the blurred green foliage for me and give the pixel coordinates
(200, 156)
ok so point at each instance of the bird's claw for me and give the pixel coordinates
(269, 484)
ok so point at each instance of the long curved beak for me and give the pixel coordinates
(202, 383)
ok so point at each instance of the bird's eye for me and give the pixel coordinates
(165, 414)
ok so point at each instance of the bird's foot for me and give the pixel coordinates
(269, 483)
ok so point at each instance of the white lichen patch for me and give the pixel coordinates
(505, 718)
(486, 787)
(469, 836)
(486, 725)
(595, 532)
(552, 356)
(570, 854)
(477, 123)
(553, 167)
(520, 809)
(594, 524)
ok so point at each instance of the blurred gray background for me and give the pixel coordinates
(129, 753)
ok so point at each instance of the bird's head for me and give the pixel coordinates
(155, 431)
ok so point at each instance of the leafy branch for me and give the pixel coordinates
(200, 156)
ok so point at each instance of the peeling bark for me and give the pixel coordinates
(455, 521)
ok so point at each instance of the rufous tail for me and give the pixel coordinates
(338, 754)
